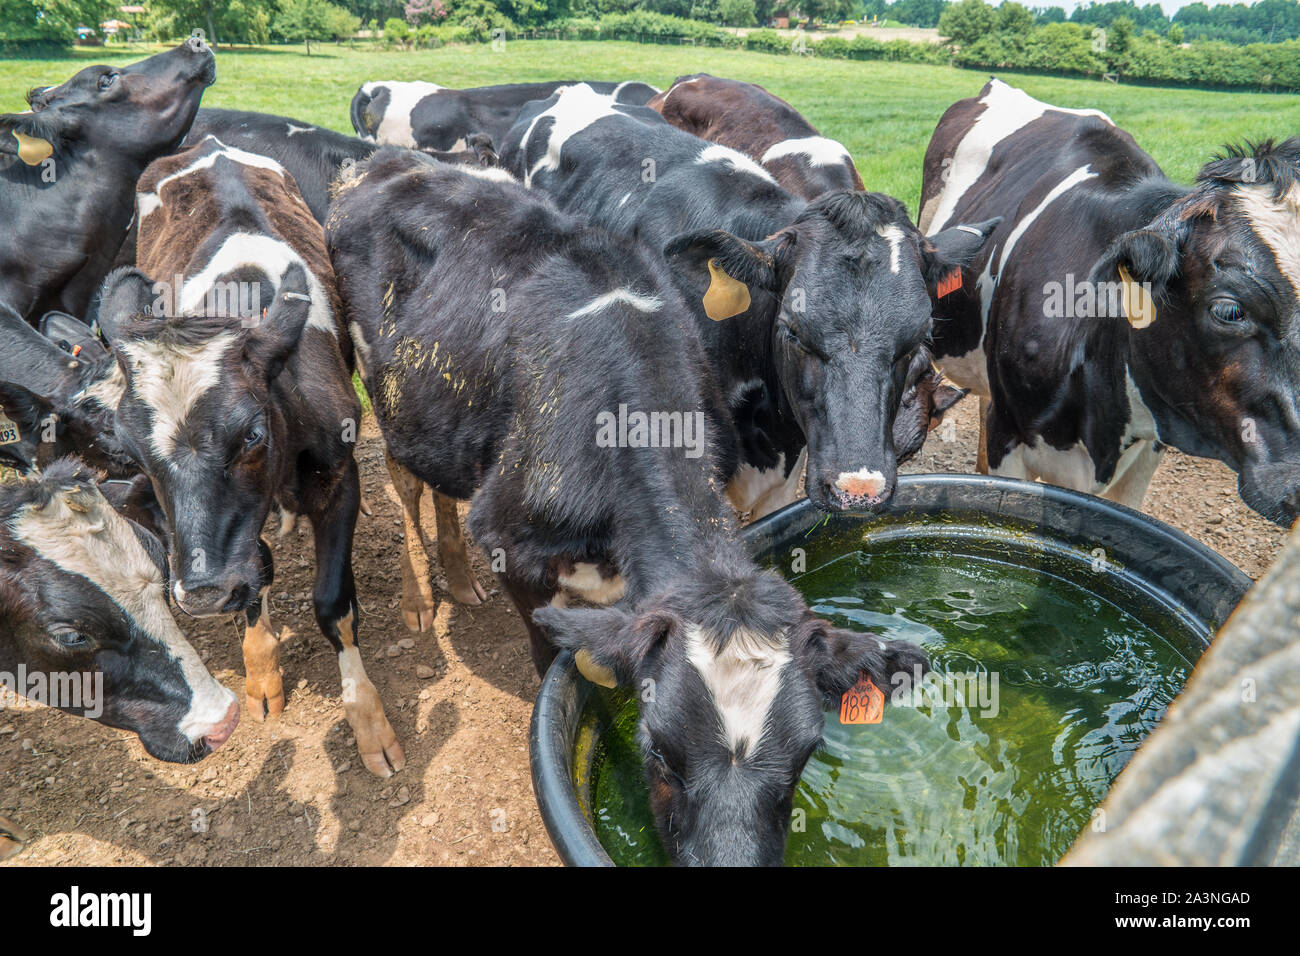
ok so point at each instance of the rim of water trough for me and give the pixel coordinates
(1156, 560)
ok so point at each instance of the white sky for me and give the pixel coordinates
(1169, 6)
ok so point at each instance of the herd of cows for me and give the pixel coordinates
(508, 267)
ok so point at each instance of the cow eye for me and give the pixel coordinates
(254, 436)
(790, 335)
(1227, 313)
(106, 80)
(68, 637)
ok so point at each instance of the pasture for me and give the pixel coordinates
(291, 791)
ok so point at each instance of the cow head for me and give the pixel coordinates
(141, 111)
(926, 398)
(83, 603)
(1211, 291)
(842, 300)
(733, 673)
(196, 414)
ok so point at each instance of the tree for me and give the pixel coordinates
(737, 13)
(309, 20)
(968, 21)
(1013, 18)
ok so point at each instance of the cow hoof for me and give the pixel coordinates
(376, 739)
(12, 839)
(464, 587)
(418, 612)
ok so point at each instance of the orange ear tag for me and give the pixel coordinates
(949, 283)
(33, 150)
(726, 296)
(863, 703)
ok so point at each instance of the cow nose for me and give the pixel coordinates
(204, 598)
(857, 490)
(219, 734)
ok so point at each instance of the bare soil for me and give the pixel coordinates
(292, 791)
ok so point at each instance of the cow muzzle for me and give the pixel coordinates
(861, 490)
(207, 598)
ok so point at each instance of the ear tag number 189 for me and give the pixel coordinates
(863, 703)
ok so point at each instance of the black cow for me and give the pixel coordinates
(764, 127)
(69, 169)
(825, 302)
(1114, 312)
(427, 116)
(239, 397)
(83, 597)
(501, 340)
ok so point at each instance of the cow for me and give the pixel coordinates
(764, 127)
(85, 626)
(812, 312)
(238, 396)
(422, 115)
(69, 169)
(1115, 313)
(500, 338)
(926, 398)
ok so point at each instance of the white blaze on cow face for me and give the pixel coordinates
(892, 234)
(737, 161)
(94, 542)
(146, 203)
(576, 107)
(1277, 223)
(169, 380)
(642, 303)
(395, 128)
(1006, 110)
(586, 583)
(815, 151)
(743, 679)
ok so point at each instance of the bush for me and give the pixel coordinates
(396, 30)
(767, 41)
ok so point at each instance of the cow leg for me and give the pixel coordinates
(1133, 475)
(982, 449)
(452, 554)
(263, 680)
(12, 838)
(417, 589)
(338, 615)
(527, 600)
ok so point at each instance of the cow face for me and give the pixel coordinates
(733, 674)
(843, 298)
(1213, 301)
(83, 603)
(197, 415)
(141, 110)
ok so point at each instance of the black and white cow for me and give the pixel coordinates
(239, 397)
(1114, 313)
(421, 115)
(68, 170)
(500, 339)
(812, 312)
(764, 127)
(83, 595)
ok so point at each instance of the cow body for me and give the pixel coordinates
(1114, 312)
(764, 127)
(421, 115)
(811, 312)
(239, 397)
(501, 340)
(68, 177)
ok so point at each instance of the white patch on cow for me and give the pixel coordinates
(272, 257)
(1069, 468)
(494, 173)
(395, 127)
(1065, 185)
(861, 482)
(107, 391)
(1007, 110)
(295, 130)
(145, 203)
(99, 545)
(170, 379)
(642, 303)
(362, 347)
(575, 108)
(672, 89)
(759, 492)
(815, 150)
(892, 234)
(743, 679)
(586, 583)
(971, 370)
(1277, 223)
(738, 161)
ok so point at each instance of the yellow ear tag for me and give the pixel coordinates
(726, 296)
(1138, 304)
(593, 671)
(33, 150)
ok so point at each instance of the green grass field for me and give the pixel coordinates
(883, 112)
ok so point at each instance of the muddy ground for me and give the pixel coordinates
(292, 791)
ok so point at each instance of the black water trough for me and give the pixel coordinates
(1144, 559)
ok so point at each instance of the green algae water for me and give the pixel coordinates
(1040, 692)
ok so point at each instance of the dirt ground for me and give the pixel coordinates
(293, 792)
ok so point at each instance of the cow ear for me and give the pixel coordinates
(836, 657)
(126, 295)
(945, 397)
(72, 335)
(27, 136)
(610, 643)
(1143, 261)
(480, 144)
(734, 269)
(275, 337)
(946, 253)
